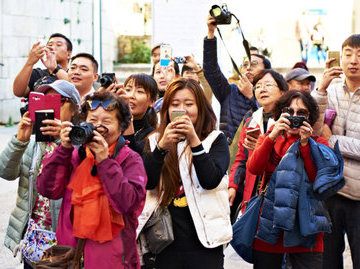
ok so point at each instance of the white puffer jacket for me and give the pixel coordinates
(346, 130)
(209, 209)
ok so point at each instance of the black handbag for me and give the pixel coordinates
(158, 230)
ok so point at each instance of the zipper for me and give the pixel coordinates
(123, 246)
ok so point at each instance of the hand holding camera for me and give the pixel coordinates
(99, 147)
(64, 134)
(305, 132)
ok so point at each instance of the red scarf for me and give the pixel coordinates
(93, 217)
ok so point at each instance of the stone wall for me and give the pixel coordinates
(23, 22)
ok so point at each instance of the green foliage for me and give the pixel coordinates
(140, 53)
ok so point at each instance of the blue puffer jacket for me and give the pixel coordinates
(292, 202)
(234, 104)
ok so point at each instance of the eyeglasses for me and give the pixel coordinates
(292, 112)
(108, 105)
(266, 86)
(248, 64)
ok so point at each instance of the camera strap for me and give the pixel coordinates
(231, 58)
(245, 44)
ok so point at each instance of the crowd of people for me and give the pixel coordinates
(159, 179)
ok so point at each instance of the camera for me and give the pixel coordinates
(82, 134)
(221, 14)
(180, 60)
(107, 79)
(296, 121)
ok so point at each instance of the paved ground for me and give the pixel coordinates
(7, 202)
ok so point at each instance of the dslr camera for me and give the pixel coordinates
(82, 133)
(107, 79)
(221, 14)
(296, 121)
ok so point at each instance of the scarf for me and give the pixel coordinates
(93, 217)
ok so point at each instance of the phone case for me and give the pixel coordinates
(254, 132)
(336, 55)
(176, 114)
(165, 55)
(41, 115)
(39, 101)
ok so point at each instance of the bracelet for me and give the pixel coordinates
(198, 152)
(161, 151)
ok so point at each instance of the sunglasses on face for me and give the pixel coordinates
(107, 105)
(292, 112)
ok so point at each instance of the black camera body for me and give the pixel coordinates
(296, 121)
(221, 14)
(82, 134)
(107, 79)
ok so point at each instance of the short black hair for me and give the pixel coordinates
(308, 100)
(68, 42)
(88, 56)
(352, 41)
(266, 62)
(279, 79)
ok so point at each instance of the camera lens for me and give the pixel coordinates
(81, 134)
(106, 81)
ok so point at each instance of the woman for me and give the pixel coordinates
(16, 160)
(187, 167)
(140, 92)
(163, 77)
(269, 151)
(269, 87)
(108, 177)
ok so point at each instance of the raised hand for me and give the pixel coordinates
(25, 128)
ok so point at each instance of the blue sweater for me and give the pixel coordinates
(234, 104)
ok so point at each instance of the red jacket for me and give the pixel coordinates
(264, 161)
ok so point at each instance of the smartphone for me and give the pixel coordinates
(253, 133)
(175, 114)
(336, 55)
(165, 55)
(39, 101)
(40, 115)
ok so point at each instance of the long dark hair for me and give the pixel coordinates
(205, 124)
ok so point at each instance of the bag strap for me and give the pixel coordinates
(35, 156)
(78, 253)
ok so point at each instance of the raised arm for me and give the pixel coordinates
(219, 84)
(21, 81)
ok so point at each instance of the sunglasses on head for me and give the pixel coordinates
(107, 105)
(292, 112)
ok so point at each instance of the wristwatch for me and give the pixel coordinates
(58, 67)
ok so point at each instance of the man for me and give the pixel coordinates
(55, 56)
(235, 100)
(343, 96)
(83, 73)
(299, 79)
